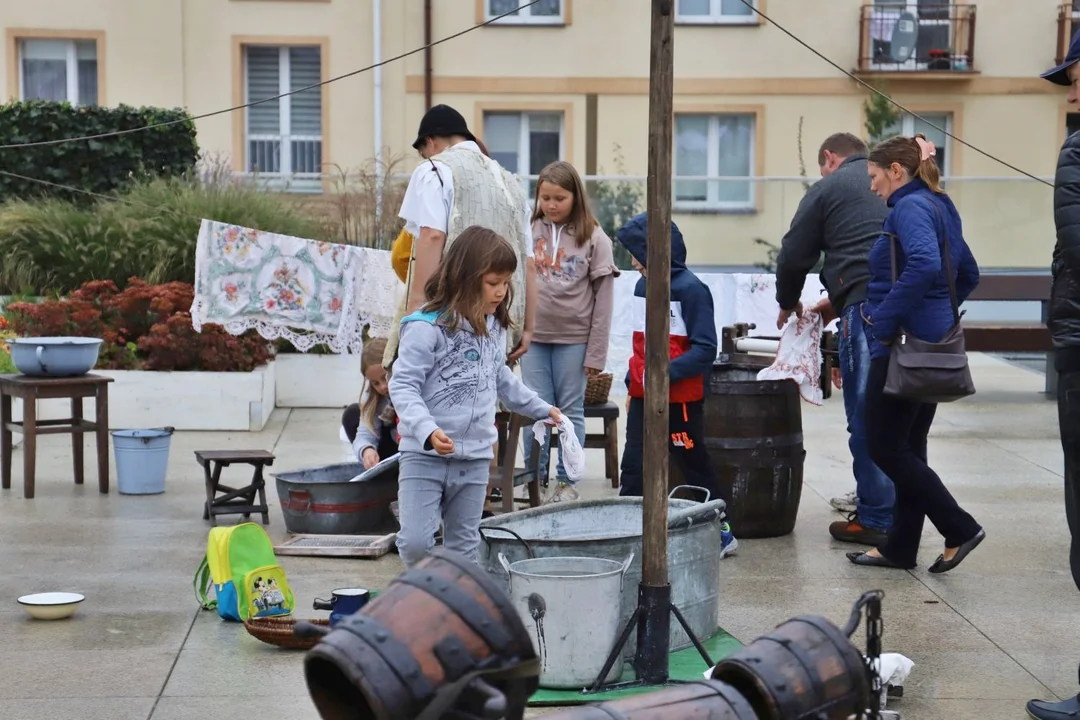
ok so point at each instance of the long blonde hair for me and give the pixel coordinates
(564, 175)
(369, 399)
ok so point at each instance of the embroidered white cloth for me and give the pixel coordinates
(573, 456)
(798, 357)
(306, 291)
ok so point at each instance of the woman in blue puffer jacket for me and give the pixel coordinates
(904, 173)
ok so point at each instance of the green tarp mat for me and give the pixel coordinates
(684, 665)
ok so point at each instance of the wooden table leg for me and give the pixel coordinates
(261, 485)
(611, 431)
(509, 460)
(5, 441)
(77, 439)
(101, 402)
(29, 443)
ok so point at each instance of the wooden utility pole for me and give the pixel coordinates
(653, 634)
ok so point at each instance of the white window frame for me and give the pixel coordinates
(524, 157)
(907, 128)
(72, 70)
(525, 16)
(716, 16)
(712, 187)
(307, 181)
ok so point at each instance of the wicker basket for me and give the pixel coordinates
(279, 631)
(597, 388)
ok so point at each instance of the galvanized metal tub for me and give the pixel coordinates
(611, 529)
(322, 501)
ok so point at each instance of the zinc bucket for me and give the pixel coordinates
(142, 460)
(570, 607)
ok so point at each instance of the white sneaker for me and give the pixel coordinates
(844, 504)
(564, 493)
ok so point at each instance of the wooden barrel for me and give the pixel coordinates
(435, 629)
(704, 700)
(805, 668)
(753, 432)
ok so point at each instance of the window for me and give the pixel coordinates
(938, 25)
(284, 136)
(545, 12)
(714, 12)
(524, 142)
(715, 146)
(910, 125)
(59, 70)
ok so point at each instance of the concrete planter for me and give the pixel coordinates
(183, 400)
(317, 381)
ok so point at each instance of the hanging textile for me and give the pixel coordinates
(304, 291)
(798, 357)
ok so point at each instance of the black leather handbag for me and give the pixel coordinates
(930, 372)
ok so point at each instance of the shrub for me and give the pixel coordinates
(143, 327)
(150, 232)
(98, 166)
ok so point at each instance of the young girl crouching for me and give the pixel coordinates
(370, 426)
(448, 378)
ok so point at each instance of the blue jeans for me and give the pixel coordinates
(875, 492)
(557, 374)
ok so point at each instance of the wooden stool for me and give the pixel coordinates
(506, 475)
(30, 390)
(608, 441)
(234, 501)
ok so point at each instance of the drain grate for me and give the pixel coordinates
(371, 546)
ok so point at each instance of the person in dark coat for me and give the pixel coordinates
(904, 173)
(1064, 323)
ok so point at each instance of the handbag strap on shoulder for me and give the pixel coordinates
(946, 256)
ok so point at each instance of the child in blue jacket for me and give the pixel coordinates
(693, 348)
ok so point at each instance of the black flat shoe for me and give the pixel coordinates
(861, 558)
(941, 565)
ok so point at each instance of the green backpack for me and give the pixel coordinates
(248, 582)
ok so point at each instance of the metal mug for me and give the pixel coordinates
(343, 602)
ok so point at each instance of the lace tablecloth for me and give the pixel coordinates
(305, 291)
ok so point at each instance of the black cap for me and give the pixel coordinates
(1060, 74)
(442, 121)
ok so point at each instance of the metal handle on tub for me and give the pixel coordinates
(705, 512)
(627, 563)
(505, 563)
(528, 548)
(708, 494)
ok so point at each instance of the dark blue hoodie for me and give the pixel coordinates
(693, 327)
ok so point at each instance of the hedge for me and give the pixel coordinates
(100, 166)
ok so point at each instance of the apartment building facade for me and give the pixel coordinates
(569, 79)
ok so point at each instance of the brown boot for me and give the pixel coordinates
(852, 531)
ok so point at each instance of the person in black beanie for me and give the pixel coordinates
(1064, 323)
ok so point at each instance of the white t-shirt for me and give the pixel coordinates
(428, 203)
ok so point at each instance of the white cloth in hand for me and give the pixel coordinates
(798, 356)
(573, 456)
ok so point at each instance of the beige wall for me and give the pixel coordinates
(186, 53)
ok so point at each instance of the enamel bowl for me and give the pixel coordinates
(51, 605)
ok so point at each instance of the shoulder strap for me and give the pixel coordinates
(946, 256)
(203, 581)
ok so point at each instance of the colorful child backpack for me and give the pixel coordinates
(248, 582)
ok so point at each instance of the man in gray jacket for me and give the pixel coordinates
(840, 217)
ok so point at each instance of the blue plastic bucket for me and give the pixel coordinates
(142, 460)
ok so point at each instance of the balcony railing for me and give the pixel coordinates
(1068, 24)
(917, 36)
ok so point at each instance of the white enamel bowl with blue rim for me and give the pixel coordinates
(51, 605)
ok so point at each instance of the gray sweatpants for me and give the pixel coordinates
(431, 489)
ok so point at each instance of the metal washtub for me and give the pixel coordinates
(322, 501)
(611, 529)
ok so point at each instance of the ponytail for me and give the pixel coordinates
(927, 170)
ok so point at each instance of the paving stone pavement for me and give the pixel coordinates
(985, 638)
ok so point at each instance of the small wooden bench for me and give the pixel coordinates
(1013, 336)
(225, 500)
(506, 476)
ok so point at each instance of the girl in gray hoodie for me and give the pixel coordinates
(446, 383)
